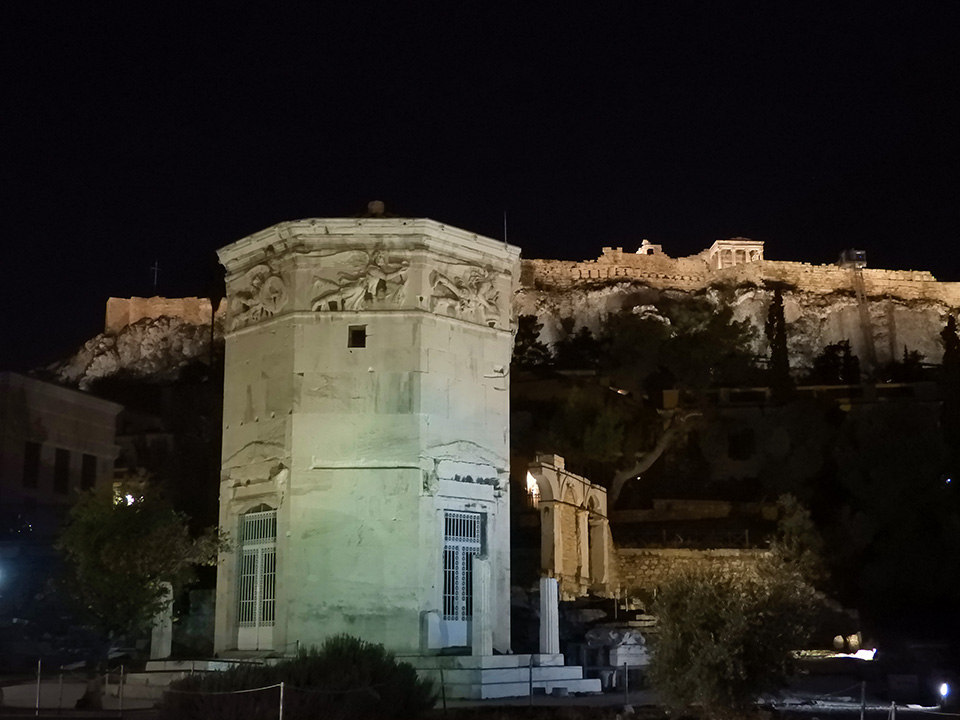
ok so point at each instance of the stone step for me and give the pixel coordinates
(162, 679)
(488, 691)
(189, 665)
(481, 661)
(139, 691)
(505, 675)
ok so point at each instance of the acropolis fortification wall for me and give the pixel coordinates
(693, 273)
(658, 270)
(127, 311)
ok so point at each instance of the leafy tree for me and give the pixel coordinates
(120, 548)
(616, 426)
(577, 349)
(908, 370)
(529, 352)
(689, 346)
(836, 365)
(589, 445)
(797, 545)
(776, 332)
(951, 348)
(695, 342)
(724, 640)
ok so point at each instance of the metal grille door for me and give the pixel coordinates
(461, 541)
(257, 578)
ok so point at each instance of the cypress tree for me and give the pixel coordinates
(776, 332)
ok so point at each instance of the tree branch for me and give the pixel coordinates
(644, 462)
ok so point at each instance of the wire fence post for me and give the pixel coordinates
(863, 698)
(60, 693)
(39, 665)
(626, 685)
(121, 691)
(281, 701)
(530, 680)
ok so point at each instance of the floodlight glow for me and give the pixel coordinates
(944, 690)
(533, 489)
(130, 499)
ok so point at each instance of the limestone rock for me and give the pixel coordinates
(814, 320)
(155, 348)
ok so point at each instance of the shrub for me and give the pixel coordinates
(723, 641)
(346, 678)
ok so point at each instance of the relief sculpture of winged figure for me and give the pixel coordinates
(377, 282)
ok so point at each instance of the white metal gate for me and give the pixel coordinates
(257, 580)
(461, 541)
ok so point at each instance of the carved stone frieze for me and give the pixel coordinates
(261, 293)
(373, 280)
(471, 295)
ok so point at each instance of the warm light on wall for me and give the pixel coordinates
(533, 490)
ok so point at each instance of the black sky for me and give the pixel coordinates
(132, 135)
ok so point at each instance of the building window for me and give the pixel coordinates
(88, 472)
(257, 575)
(61, 471)
(31, 465)
(461, 541)
(357, 336)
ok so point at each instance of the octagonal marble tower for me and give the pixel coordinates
(365, 440)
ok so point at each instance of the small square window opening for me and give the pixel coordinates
(357, 336)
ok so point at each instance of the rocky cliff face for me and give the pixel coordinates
(814, 320)
(159, 346)
(154, 348)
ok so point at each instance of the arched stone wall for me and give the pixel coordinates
(576, 547)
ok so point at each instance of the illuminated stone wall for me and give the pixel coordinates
(366, 395)
(694, 273)
(126, 311)
(575, 544)
(647, 568)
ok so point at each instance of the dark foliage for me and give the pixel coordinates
(724, 640)
(185, 456)
(950, 388)
(836, 365)
(576, 349)
(951, 349)
(346, 678)
(776, 331)
(529, 353)
(118, 553)
(909, 369)
(893, 525)
(691, 345)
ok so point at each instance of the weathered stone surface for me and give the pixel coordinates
(367, 405)
(905, 308)
(814, 319)
(156, 348)
(647, 568)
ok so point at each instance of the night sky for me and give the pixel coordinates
(132, 136)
